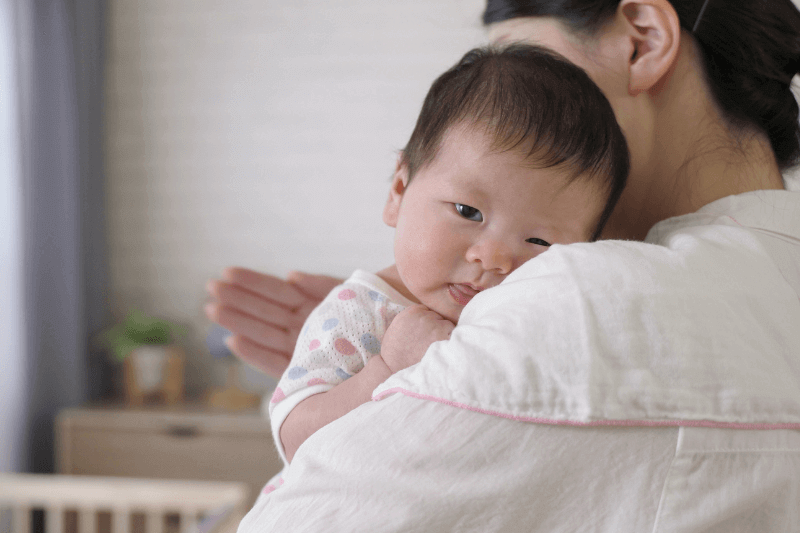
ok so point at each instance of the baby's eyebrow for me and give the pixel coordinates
(465, 190)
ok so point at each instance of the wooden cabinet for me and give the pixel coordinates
(167, 443)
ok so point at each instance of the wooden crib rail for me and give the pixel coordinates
(55, 494)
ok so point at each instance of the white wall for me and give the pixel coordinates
(12, 344)
(260, 133)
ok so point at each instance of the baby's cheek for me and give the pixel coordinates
(416, 272)
(524, 260)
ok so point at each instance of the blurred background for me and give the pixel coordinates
(147, 144)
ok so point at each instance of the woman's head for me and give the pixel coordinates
(750, 51)
(707, 113)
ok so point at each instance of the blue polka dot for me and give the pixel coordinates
(342, 374)
(376, 296)
(297, 372)
(371, 343)
(330, 324)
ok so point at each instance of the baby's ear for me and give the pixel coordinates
(391, 210)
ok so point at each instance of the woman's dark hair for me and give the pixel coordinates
(527, 98)
(750, 48)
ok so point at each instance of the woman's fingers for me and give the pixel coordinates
(316, 287)
(282, 303)
(276, 339)
(274, 289)
(265, 313)
(249, 303)
(270, 362)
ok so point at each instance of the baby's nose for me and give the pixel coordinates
(492, 254)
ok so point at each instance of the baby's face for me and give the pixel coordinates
(472, 216)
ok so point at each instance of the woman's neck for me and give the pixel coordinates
(695, 159)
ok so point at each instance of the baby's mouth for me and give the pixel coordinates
(462, 294)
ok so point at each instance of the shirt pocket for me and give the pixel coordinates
(731, 481)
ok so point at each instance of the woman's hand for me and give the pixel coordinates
(265, 313)
(410, 334)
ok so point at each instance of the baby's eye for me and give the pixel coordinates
(540, 242)
(470, 213)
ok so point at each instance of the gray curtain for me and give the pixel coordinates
(59, 68)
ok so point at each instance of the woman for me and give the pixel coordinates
(659, 380)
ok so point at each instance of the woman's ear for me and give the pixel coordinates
(654, 29)
(391, 211)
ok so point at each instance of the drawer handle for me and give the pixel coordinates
(183, 431)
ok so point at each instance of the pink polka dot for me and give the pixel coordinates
(344, 347)
(280, 482)
(316, 381)
(347, 294)
(277, 396)
(314, 344)
(268, 489)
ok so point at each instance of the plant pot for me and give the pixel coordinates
(149, 363)
(154, 372)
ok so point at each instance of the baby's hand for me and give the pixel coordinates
(410, 334)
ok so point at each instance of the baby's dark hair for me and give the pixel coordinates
(527, 98)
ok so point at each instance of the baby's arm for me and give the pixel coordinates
(319, 410)
(404, 344)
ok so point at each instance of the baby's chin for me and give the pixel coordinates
(439, 302)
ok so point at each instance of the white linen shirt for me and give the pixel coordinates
(613, 386)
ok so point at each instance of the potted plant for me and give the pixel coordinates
(152, 362)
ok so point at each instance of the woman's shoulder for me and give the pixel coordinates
(752, 237)
(776, 211)
(716, 267)
(700, 325)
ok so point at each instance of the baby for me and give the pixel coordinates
(515, 150)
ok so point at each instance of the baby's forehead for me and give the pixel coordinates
(487, 137)
(473, 156)
(468, 144)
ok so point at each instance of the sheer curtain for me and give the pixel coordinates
(54, 244)
(12, 377)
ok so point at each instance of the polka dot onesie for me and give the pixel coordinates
(336, 341)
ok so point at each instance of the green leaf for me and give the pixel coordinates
(137, 330)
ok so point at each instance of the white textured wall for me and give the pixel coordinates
(260, 133)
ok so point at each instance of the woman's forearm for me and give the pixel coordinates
(319, 410)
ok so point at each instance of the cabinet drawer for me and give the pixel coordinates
(168, 446)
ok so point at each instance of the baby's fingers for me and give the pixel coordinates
(444, 328)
